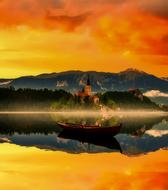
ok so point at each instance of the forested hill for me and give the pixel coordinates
(48, 100)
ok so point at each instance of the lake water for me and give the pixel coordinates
(34, 153)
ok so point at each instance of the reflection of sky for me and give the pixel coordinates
(35, 169)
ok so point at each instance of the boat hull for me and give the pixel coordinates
(94, 130)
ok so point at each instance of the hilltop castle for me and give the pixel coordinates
(87, 92)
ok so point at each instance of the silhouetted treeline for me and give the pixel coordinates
(127, 100)
(48, 100)
(26, 99)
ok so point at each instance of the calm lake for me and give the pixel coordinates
(35, 154)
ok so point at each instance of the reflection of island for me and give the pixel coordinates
(106, 141)
(41, 131)
(27, 124)
(137, 126)
(45, 124)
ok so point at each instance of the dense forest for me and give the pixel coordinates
(126, 100)
(49, 100)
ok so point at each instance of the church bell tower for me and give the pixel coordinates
(88, 88)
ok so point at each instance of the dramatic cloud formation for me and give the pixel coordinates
(66, 23)
(156, 7)
(119, 33)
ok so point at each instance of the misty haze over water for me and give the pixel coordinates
(141, 133)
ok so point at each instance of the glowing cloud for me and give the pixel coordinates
(119, 33)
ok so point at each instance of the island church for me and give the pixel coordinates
(87, 92)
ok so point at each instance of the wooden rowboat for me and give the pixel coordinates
(88, 129)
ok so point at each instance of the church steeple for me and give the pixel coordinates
(88, 81)
(88, 88)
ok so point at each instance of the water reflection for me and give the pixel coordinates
(36, 169)
(138, 135)
(105, 141)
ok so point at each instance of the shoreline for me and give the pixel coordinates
(87, 112)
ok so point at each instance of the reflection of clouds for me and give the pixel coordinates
(57, 170)
(140, 180)
(157, 133)
(62, 140)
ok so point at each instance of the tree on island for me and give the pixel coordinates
(48, 100)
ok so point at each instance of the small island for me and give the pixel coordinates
(59, 100)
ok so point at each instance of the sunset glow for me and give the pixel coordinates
(32, 168)
(52, 36)
(64, 125)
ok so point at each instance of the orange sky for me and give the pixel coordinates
(107, 35)
(35, 169)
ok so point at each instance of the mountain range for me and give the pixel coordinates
(100, 81)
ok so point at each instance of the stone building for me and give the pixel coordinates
(87, 92)
(137, 93)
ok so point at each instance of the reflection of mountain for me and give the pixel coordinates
(41, 131)
(131, 125)
(153, 138)
(105, 141)
(134, 146)
(55, 143)
(73, 80)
